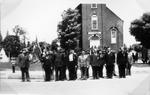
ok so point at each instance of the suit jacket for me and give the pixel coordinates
(23, 61)
(101, 59)
(58, 60)
(110, 59)
(48, 61)
(122, 58)
(83, 61)
(94, 60)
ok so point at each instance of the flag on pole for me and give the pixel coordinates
(36, 51)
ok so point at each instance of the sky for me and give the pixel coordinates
(40, 17)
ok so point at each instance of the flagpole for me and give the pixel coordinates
(39, 59)
(38, 44)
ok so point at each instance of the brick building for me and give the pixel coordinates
(100, 27)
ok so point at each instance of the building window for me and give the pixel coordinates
(113, 35)
(93, 5)
(94, 22)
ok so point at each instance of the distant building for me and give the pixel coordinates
(3, 56)
(100, 27)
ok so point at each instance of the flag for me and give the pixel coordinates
(36, 52)
(37, 49)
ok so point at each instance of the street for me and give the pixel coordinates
(129, 86)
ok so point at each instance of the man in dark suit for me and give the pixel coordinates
(48, 61)
(110, 60)
(58, 63)
(23, 62)
(122, 60)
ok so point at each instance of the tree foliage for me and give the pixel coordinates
(12, 45)
(140, 29)
(18, 30)
(44, 45)
(69, 29)
(54, 45)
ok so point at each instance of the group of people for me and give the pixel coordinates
(55, 64)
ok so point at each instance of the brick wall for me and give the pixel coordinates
(106, 20)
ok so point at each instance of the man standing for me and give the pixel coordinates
(47, 60)
(72, 65)
(122, 60)
(110, 60)
(23, 62)
(58, 63)
(13, 62)
(94, 64)
(101, 62)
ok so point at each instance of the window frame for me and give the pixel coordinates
(94, 18)
(93, 7)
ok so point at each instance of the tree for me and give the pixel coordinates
(44, 45)
(137, 47)
(69, 29)
(12, 45)
(140, 29)
(54, 45)
(18, 30)
(21, 33)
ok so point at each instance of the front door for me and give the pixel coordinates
(94, 42)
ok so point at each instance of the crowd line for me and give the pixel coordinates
(60, 61)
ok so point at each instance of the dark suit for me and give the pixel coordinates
(23, 62)
(95, 66)
(48, 61)
(58, 63)
(122, 60)
(110, 60)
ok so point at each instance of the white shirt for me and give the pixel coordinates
(70, 57)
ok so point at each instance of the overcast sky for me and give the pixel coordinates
(40, 17)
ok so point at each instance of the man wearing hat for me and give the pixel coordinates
(23, 63)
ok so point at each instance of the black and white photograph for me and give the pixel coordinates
(74, 47)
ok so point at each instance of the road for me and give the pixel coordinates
(137, 84)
